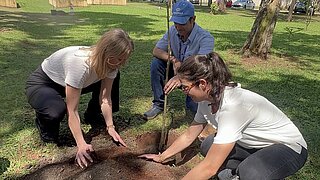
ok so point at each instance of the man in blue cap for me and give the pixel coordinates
(186, 39)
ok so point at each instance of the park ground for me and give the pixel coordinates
(290, 79)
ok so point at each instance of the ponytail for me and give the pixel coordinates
(210, 67)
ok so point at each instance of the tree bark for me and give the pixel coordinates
(289, 18)
(259, 40)
(221, 5)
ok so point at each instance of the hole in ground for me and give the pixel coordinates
(116, 162)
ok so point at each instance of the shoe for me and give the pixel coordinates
(226, 174)
(152, 113)
(95, 120)
(46, 136)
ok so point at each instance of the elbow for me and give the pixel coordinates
(154, 52)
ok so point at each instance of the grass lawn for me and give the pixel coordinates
(290, 78)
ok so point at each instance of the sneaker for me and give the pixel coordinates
(152, 113)
(226, 174)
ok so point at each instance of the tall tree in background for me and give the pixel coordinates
(221, 5)
(293, 2)
(259, 40)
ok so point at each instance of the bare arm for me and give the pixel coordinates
(72, 101)
(211, 163)
(163, 55)
(179, 144)
(183, 141)
(106, 108)
(105, 100)
(160, 54)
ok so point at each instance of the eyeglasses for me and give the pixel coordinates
(186, 89)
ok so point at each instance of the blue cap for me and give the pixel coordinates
(182, 11)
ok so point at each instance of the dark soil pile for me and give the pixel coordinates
(117, 162)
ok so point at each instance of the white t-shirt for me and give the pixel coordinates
(69, 66)
(250, 120)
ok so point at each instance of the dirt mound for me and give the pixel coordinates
(117, 162)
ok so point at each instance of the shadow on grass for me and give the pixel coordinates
(4, 165)
(50, 32)
(301, 47)
(44, 34)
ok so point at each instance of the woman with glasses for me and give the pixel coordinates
(254, 139)
(54, 89)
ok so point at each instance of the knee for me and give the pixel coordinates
(55, 114)
(250, 172)
(156, 66)
(206, 144)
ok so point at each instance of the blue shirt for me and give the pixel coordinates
(199, 42)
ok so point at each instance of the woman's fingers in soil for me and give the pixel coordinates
(87, 156)
(119, 142)
(122, 142)
(147, 156)
(116, 142)
(83, 159)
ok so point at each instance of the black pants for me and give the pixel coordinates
(47, 99)
(273, 162)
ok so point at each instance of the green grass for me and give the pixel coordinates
(290, 79)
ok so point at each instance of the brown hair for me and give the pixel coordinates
(115, 42)
(210, 67)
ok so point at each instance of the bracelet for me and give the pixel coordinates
(110, 126)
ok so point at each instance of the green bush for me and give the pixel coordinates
(214, 8)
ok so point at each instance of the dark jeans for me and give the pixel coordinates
(47, 99)
(273, 162)
(158, 77)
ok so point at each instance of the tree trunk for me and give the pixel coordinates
(293, 2)
(259, 40)
(221, 5)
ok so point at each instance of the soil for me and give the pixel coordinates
(283, 61)
(117, 162)
(5, 29)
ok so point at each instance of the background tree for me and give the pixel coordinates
(293, 2)
(259, 40)
(221, 5)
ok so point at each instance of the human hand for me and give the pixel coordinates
(176, 65)
(154, 157)
(172, 84)
(83, 155)
(115, 136)
(173, 59)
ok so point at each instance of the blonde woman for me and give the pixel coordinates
(54, 89)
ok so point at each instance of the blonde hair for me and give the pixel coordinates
(115, 42)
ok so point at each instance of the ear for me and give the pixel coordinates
(203, 84)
